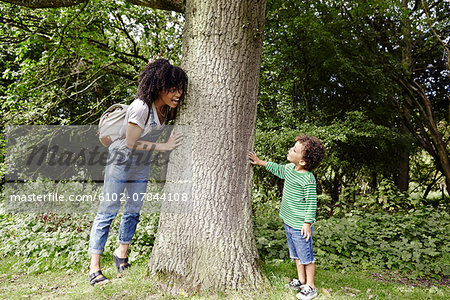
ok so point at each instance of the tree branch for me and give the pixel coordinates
(64, 29)
(175, 5)
(127, 34)
(45, 3)
(40, 31)
(445, 45)
(106, 47)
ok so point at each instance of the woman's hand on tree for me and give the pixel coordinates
(174, 141)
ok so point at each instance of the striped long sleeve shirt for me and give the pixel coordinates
(299, 202)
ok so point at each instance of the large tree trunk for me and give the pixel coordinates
(213, 245)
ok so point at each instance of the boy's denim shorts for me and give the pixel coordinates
(299, 248)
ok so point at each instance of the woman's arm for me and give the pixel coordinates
(133, 132)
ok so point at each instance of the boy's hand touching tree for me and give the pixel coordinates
(254, 159)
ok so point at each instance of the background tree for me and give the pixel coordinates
(423, 110)
(334, 58)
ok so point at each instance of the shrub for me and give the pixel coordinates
(53, 241)
(270, 235)
(416, 243)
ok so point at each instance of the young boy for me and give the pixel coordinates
(298, 206)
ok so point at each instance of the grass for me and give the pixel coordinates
(73, 284)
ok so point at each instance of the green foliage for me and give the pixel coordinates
(319, 62)
(329, 63)
(357, 150)
(269, 233)
(416, 243)
(323, 59)
(387, 197)
(53, 241)
(66, 65)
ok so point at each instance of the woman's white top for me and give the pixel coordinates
(137, 113)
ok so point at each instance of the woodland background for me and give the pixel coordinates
(369, 78)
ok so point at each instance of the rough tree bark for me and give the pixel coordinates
(213, 246)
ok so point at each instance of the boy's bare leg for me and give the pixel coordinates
(301, 272)
(310, 270)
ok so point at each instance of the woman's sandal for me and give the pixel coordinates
(121, 263)
(93, 280)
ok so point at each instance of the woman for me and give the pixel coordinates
(160, 91)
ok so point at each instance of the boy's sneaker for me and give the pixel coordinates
(307, 293)
(295, 284)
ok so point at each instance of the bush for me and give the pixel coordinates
(387, 197)
(53, 241)
(269, 234)
(417, 243)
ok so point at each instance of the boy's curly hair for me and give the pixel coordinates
(314, 151)
(157, 76)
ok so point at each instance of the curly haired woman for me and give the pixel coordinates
(159, 93)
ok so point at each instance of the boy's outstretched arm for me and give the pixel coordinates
(254, 159)
(276, 169)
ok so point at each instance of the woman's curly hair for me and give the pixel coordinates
(158, 76)
(313, 151)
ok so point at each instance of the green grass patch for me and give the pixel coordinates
(357, 256)
(136, 284)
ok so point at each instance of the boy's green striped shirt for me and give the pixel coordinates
(299, 202)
